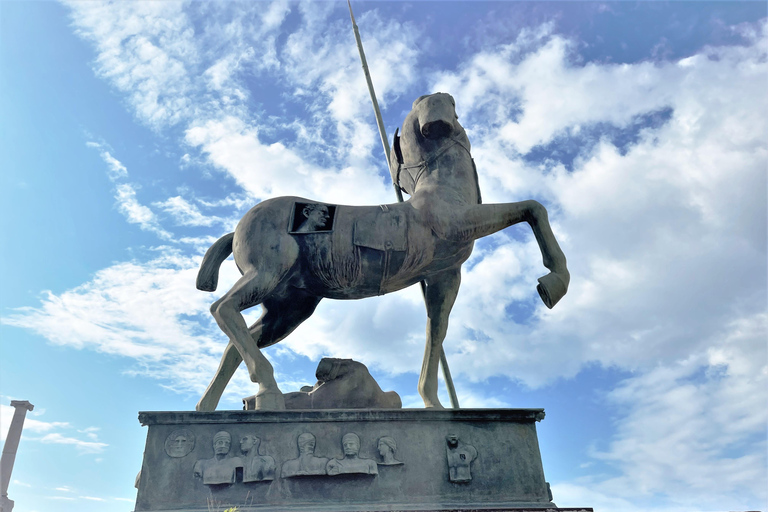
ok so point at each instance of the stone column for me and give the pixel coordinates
(9, 451)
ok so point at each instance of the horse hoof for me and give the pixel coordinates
(551, 288)
(269, 401)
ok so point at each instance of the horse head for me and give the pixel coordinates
(430, 130)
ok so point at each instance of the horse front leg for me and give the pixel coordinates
(227, 367)
(467, 223)
(440, 296)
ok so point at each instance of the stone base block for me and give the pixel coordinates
(343, 460)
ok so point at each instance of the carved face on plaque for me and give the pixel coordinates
(179, 443)
(250, 444)
(386, 447)
(351, 445)
(221, 443)
(306, 443)
(317, 216)
(312, 218)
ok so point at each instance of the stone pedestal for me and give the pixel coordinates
(343, 460)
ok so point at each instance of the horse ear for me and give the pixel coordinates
(395, 159)
(396, 147)
(418, 100)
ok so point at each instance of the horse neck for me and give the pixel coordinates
(449, 168)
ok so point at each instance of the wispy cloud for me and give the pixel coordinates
(82, 446)
(33, 426)
(91, 433)
(137, 213)
(116, 168)
(92, 498)
(30, 424)
(186, 213)
(142, 311)
(125, 195)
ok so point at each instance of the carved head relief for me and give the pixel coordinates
(179, 443)
(250, 443)
(387, 448)
(312, 218)
(306, 443)
(222, 442)
(351, 444)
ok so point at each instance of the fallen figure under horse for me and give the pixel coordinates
(293, 252)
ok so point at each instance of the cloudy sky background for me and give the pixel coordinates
(136, 133)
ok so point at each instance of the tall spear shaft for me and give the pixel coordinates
(385, 143)
(379, 120)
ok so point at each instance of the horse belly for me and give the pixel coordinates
(370, 251)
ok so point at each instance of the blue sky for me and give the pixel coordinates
(134, 134)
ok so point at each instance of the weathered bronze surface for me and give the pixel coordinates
(293, 251)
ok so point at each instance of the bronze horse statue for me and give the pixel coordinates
(292, 252)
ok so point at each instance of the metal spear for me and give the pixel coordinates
(385, 144)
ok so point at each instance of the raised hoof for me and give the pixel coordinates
(551, 288)
(269, 401)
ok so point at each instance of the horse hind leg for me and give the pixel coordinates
(250, 290)
(277, 321)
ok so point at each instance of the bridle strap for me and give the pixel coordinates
(424, 164)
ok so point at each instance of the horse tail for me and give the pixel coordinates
(208, 275)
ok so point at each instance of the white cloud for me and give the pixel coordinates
(137, 213)
(688, 425)
(666, 245)
(147, 312)
(33, 426)
(535, 74)
(91, 433)
(186, 213)
(233, 146)
(82, 446)
(323, 65)
(160, 55)
(116, 169)
(30, 424)
(92, 498)
(146, 50)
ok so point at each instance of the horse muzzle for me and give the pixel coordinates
(438, 129)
